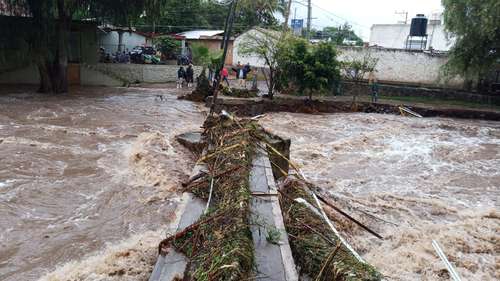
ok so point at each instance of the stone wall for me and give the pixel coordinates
(404, 67)
(110, 74)
(143, 73)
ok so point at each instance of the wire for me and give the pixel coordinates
(332, 14)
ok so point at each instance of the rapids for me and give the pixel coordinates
(412, 180)
(88, 183)
(83, 172)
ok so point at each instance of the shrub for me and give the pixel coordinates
(309, 68)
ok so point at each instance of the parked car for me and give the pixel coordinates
(141, 55)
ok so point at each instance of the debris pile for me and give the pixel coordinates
(317, 249)
(219, 246)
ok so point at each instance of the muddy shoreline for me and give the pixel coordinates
(257, 106)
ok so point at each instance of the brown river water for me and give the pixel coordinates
(81, 173)
(87, 183)
(411, 180)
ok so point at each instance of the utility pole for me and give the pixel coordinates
(309, 19)
(287, 15)
(227, 36)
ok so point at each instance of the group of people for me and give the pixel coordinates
(117, 57)
(185, 76)
(241, 72)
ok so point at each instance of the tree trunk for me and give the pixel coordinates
(271, 84)
(54, 73)
(60, 67)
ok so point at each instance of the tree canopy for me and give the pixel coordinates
(475, 25)
(182, 15)
(342, 35)
(310, 68)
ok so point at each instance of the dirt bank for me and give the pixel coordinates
(257, 106)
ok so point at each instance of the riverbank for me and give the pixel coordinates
(344, 104)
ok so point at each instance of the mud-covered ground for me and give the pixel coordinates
(412, 180)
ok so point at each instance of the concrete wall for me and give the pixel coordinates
(104, 74)
(89, 50)
(394, 36)
(27, 75)
(92, 77)
(400, 66)
(143, 72)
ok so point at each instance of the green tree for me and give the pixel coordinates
(183, 15)
(475, 26)
(310, 68)
(339, 35)
(204, 57)
(168, 46)
(264, 44)
(51, 23)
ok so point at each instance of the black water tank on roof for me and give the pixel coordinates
(419, 26)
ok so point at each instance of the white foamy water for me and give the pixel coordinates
(88, 181)
(412, 180)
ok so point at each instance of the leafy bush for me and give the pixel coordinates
(204, 57)
(168, 46)
(309, 68)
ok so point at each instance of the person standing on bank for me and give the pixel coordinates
(246, 69)
(190, 76)
(374, 88)
(224, 74)
(181, 75)
(239, 73)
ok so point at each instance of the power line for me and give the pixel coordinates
(332, 14)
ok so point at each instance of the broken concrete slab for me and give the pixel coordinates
(193, 141)
(173, 265)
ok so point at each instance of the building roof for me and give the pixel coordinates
(198, 34)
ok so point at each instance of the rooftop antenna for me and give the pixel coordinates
(405, 13)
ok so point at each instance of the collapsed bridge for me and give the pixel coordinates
(237, 224)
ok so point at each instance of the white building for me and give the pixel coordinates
(253, 60)
(394, 36)
(109, 39)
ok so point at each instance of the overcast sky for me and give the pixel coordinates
(362, 14)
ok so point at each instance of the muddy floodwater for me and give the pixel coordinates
(87, 183)
(411, 180)
(82, 172)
